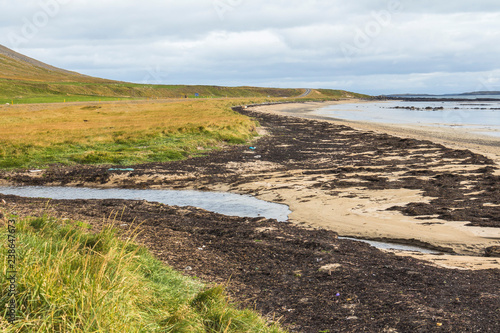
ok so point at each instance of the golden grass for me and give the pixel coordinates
(117, 132)
(104, 122)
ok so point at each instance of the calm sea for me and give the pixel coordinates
(475, 116)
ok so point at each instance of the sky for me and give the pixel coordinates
(367, 46)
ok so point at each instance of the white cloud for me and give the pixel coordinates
(367, 45)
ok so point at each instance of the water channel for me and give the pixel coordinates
(224, 203)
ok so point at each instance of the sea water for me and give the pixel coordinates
(476, 116)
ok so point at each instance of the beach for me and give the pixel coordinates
(457, 137)
(361, 212)
(338, 180)
(421, 186)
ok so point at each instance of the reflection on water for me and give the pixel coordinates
(223, 203)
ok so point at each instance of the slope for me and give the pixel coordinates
(26, 80)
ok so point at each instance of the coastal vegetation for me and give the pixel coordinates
(71, 280)
(126, 132)
(118, 133)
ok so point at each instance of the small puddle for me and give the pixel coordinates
(393, 246)
(222, 203)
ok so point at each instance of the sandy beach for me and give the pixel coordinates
(362, 213)
(457, 138)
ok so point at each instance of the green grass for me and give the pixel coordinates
(23, 91)
(61, 99)
(70, 280)
(118, 133)
(155, 148)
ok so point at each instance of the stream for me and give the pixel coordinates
(223, 203)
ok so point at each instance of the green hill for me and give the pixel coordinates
(26, 80)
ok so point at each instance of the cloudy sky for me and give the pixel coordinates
(369, 46)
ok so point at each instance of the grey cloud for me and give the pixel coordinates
(289, 43)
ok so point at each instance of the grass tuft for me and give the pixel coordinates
(70, 280)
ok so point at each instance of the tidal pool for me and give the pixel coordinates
(223, 203)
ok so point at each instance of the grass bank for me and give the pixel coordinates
(24, 91)
(34, 136)
(70, 280)
(126, 132)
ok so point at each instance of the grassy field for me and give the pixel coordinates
(70, 280)
(25, 80)
(34, 136)
(25, 92)
(127, 132)
(28, 91)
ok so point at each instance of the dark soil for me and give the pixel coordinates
(276, 267)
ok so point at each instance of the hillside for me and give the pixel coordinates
(16, 66)
(26, 80)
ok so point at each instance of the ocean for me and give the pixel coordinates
(475, 116)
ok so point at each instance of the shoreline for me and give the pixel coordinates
(307, 276)
(357, 182)
(456, 138)
(438, 234)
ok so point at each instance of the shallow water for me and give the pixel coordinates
(481, 117)
(392, 246)
(223, 203)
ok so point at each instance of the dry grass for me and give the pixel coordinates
(117, 133)
(108, 123)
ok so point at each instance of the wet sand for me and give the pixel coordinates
(363, 213)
